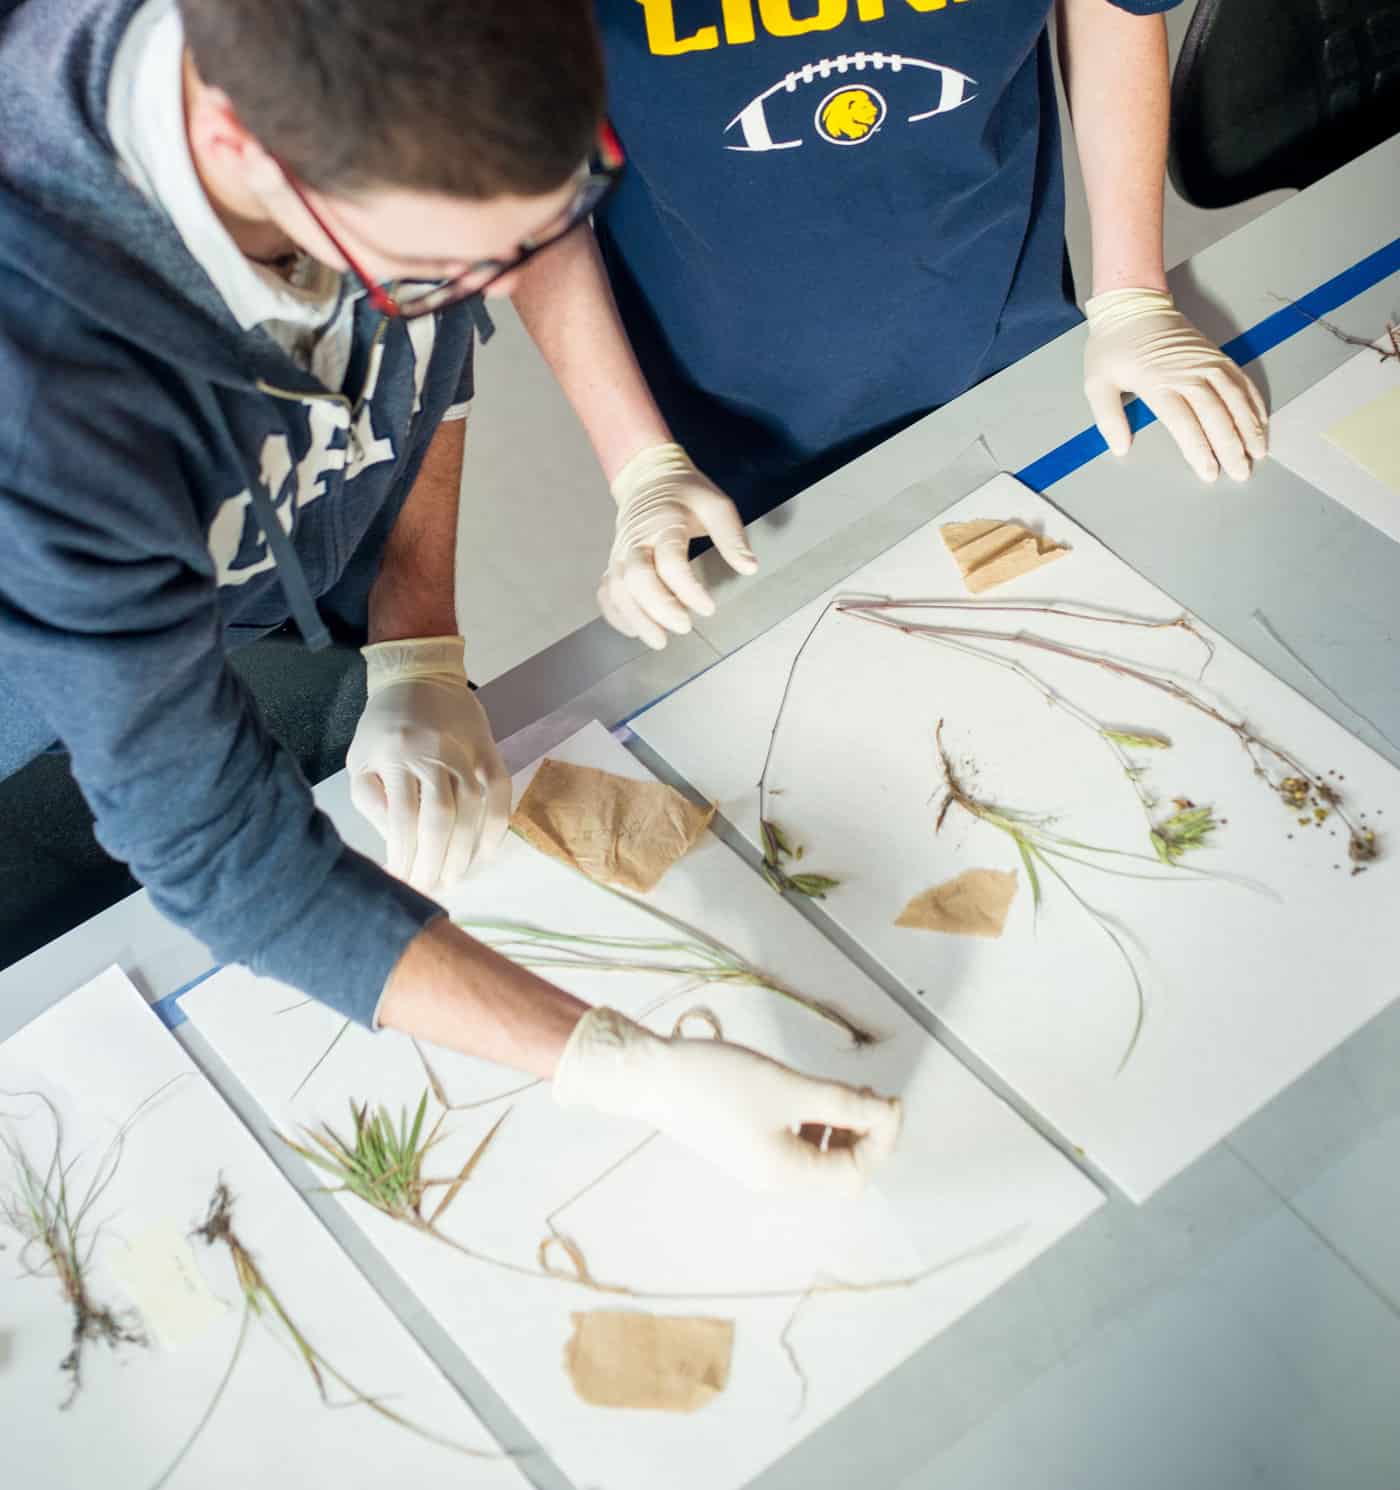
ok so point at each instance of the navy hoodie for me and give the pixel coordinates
(171, 485)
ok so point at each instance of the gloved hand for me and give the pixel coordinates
(662, 503)
(424, 768)
(1140, 343)
(738, 1109)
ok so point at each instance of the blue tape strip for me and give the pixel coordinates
(168, 1009)
(1088, 444)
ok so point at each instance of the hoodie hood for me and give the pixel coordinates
(73, 224)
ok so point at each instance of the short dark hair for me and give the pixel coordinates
(466, 98)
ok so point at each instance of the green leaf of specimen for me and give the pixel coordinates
(1136, 742)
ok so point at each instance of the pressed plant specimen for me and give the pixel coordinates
(381, 1162)
(58, 1231)
(1043, 850)
(1297, 787)
(261, 1302)
(687, 952)
(778, 852)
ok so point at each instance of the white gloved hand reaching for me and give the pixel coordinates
(740, 1110)
(423, 765)
(662, 503)
(1140, 343)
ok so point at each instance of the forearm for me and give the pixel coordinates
(414, 595)
(458, 993)
(1115, 72)
(564, 299)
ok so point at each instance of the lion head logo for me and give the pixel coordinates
(850, 115)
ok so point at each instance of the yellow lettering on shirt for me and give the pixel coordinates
(874, 10)
(661, 32)
(778, 19)
(738, 21)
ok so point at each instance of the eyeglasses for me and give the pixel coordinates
(596, 179)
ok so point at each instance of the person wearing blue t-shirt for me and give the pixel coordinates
(839, 215)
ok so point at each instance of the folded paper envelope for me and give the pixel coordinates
(611, 828)
(990, 552)
(624, 1358)
(976, 903)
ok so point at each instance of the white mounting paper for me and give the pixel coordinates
(1244, 989)
(971, 1184)
(1298, 438)
(98, 1055)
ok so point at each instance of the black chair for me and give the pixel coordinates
(1277, 93)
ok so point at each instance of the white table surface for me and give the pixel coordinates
(1243, 1327)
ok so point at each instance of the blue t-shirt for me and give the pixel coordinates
(837, 215)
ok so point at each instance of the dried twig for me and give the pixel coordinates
(1286, 778)
(1391, 332)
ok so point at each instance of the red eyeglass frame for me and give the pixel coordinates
(599, 178)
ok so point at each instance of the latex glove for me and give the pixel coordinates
(662, 503)
(423, 765)
(738, 1109)
(1140, 343)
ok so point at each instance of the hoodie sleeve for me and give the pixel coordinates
(110, 625)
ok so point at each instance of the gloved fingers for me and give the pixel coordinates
(438, 824)
(485, 805)
(495, 816)
(1244, 402)
(874, 1120)
(1181, 423)
(792, 1163)
(651, 595)
(674, 571)
(719, 518)
(609, 608)
(367, 795)
(1106, 405)
(1256, 399)
(465, 845)
(1218, 425)
(401, 821)
(632, 620)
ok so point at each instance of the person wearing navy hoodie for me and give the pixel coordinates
(839, 215)
(242, 249)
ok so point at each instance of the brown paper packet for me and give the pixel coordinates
(976, 903)
(990, 553)
(624, 1358)
(611, 828)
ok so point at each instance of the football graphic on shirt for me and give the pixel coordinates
(845, 100)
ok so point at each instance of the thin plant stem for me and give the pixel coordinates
(244, 1324)
(320, 1060)
(440, 1092)
(699, 958)
(1066, 612)
(790, 1351)
(1024, 834)
(782, 709)
(260, 1300)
